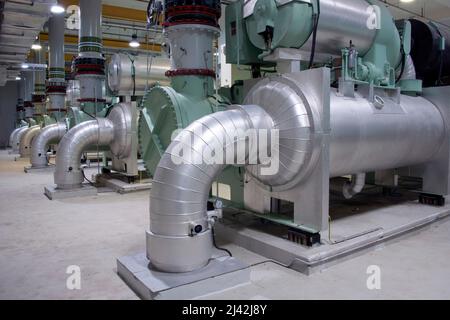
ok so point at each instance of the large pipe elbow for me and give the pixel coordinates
(179, 239)
(26, 140)
(13, 135)
(68, 172)
(50, 134)
(17, 138)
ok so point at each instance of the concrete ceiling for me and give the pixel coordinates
(20, 23)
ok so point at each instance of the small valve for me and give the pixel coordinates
(195, 229)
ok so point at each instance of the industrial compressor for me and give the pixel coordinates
(345, 101)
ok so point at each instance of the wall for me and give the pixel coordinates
(8, 101)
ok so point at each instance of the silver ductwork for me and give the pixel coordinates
(16, 139)
(26, 139)
(365, 137)
(50, 134)
(179, 239)
(114, 131)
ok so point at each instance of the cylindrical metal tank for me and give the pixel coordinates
(341, 22)
(290, 24)
(122, 67)
(364, 138)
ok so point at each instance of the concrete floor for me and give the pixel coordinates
(39, 239)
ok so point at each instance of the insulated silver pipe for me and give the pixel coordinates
(179, 239)
(56, 69)
(13, 135)
(114, 131)
(56, 47)
(90, 47)
(17, 138)
(26, 140)
(39, 81)
(50, 134)
(355, 186)
(68, 172)
(90, 33)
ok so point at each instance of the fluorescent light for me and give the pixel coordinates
(18, 78)
(57, 9)
(25, 66)
(36, 46)
(406, 1)
(134, 43)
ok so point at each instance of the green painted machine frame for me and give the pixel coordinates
(164, 110)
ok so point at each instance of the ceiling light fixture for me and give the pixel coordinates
(57, 9)
(18, 78)
(25, 66)
(36, 46)
(134, 43)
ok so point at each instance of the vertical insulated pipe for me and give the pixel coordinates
(56, 84)
(39, 83)
(89, 68)
(180, 191)
(28, 92)
(90, 51)
(39, 96)
(56, 88)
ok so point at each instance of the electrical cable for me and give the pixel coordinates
(314, 39)
(441, 67)
(84, 176)
(271, 261)
(215, 244)
(403, 66)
